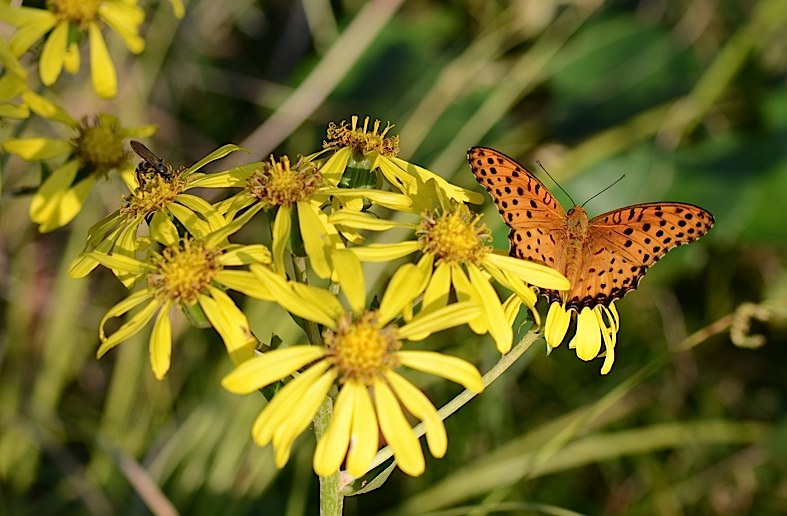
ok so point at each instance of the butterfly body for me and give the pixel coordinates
(604, 257)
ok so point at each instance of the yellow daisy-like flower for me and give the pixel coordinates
(187, 272)
(359, 148)
(595, 326)
(94, 152)
(455, 256)
(302, 189)
(362, 351)
(160, 197)
(63, 23)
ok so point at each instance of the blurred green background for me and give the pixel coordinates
(687, 98)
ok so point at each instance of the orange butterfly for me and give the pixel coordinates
(604, 257)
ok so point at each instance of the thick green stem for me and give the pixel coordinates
(331, 499)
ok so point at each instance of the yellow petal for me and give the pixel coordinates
(587, 341)
(163, 229)
(557, 323)
(365, 433)
(397, 431)
(436, 294)
(333, 169)
(46, 109)
(280, 406)
(102, 70)
(211, 215)
(301, 416)
(47, 199)
(531, 272)
(213, 156)
(53, 55)
(34, 149)
(361, 220)
(284, 294)
(270, 367)
(449, 316)
(419, 405)
(196, 226)
(230, 323)
(245, 255)
(160, 347)
(385, 252)
(245, 282)
(281, 236)
(132, 326)
(316, 239)
(467, 293)
(332, 446)
(125, 19)
(497, 323)
(31, 31)
(406, 284)
(350, 275)
(451, 368)
(71, 59)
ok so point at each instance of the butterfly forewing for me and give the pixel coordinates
(537, 221)
(520, 197)
(604, 262)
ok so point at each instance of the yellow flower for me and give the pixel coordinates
(362, 351)
(186, 273)
(95, 151)
(160, 197)
(455, 257)
(64, 22)
(595, 326)
(302, 189)
(357, 148)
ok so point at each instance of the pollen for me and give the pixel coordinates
(183, 271)
(277, 183)
(455, 236)
(99, 144)
(360, 139)
(361, 349)
(79, 12)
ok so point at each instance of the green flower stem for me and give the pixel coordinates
(331, 499)
(465, 396)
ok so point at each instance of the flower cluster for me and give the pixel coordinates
(174, 248)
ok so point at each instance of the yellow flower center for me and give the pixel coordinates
(99, 144)
(361, 349)
(183, 272)
(455, 236)
(154, 193)
(80, 12)
(360, 140)
(278, 184)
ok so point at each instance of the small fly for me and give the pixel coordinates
(150, 165)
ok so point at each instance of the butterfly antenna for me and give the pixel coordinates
(604, 190)
(553, 180)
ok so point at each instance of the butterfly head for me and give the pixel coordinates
(577, 220)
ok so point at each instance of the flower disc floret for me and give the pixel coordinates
(154, 194)
(361, 348)
(79, 12)
(99, 144)
(277, 183)
(360, 139)
(454, 237)
(183, 272)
